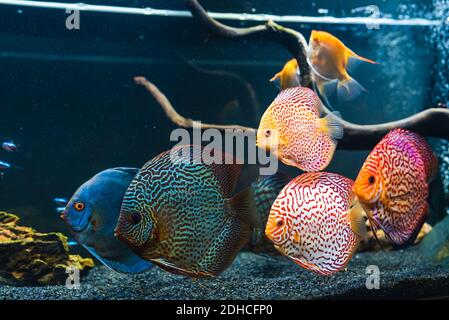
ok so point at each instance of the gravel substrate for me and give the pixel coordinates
(404, 274)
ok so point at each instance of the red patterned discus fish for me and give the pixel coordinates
(312, 222)
(294, 130)
(392, 185)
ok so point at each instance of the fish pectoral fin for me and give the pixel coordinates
(357, 218)
(349, 89)
(244, 205)
(134, 265)
(331, 124)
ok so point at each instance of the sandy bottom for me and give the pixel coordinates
(403, 274)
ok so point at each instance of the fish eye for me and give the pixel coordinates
(279, 222)
(267, 133)
(135, 218)
(371, 180)
(79, 206)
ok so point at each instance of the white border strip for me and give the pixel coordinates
(223, 16)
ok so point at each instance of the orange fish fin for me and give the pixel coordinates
(244, 205)
(331, 124)
(349, 89)
(277, 80)
(357, 220)
(352, 54)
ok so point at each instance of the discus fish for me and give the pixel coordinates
(4, 165)
(328, 58)
(265, 190)
(92, 214)
(288, 77)
(293, 129)
(392, 185)
(313, 223)
(9, 146)
(178, 213)
(60, 201)
(60, 209)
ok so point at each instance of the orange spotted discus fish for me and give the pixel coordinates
(288, 77)
(328, 58)
(179, 214)
(314, 223)
(392, 185)
(294, 130)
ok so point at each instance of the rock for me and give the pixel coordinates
(436, 245)
(31, 258)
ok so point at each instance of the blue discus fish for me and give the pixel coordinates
(92, 214)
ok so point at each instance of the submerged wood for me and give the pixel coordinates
(433, 122)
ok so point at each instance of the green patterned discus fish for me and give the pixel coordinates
(265, 190)
(177, 213)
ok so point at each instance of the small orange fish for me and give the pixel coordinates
(288, 77)
(294, 129)
(328, 57)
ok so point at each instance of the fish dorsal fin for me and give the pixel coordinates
(244, 206)
(131, 171)
(357, 220)
(227, 174)
(277, 80)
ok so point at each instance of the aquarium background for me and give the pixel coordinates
(69, 100)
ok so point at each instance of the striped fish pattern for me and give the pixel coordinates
(293, 129)
(392, 185)
(177, 213)
(265, 190)
(309, 222)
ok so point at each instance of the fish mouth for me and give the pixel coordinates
(80, 226)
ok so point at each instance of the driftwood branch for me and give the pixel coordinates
(432, 122)
(270, 31)
(175, 117)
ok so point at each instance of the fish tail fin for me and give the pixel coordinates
(349, 89)
(277, 80)
(358, 221)
(332, 125)
(244, 205)
(356, 56)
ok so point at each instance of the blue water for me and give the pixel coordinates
(68, 97)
